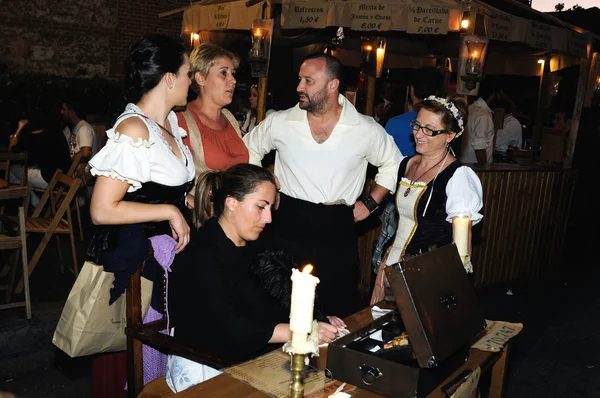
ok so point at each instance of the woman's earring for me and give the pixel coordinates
(171, 86)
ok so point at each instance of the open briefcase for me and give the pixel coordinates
(437, 308)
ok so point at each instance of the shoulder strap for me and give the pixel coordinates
(196, 146)
(233, 121)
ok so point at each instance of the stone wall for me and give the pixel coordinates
(77, 38)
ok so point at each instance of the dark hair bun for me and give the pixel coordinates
(149, 59)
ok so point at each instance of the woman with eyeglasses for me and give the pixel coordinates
(433, 186)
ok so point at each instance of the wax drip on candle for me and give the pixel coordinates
(302, 306)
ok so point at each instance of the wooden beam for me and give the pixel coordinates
(584, 68)
(261, 105)
(541, 109)
(589, 93)
(370, 100)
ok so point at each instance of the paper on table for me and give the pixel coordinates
(271, 374)
(468, 389)
(377, 312)
(497, 333)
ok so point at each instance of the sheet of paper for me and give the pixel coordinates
(468, 389)
(271, 374)
(497, 333)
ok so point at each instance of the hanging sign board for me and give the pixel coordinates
(371, 16)
(499, 27)
(540, 36)
(304, 14)
(577, 45)
(427, 20)
(218, 16)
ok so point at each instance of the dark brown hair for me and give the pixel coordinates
(213, 187)
(448, 120)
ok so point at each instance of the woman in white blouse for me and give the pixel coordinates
(144, 171)
(433, 186)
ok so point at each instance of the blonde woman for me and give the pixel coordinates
(214, 136)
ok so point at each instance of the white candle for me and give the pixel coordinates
(460, 235)
(303, 301)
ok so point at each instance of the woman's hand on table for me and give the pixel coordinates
(180, 230)
(337, 322)
(326, 332)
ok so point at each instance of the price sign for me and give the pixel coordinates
(540, 36)
(371, 16)
(500, 27)
(218, 16)
(427, 20)
(578, 45)
(304, 14)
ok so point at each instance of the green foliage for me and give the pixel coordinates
(22, 95)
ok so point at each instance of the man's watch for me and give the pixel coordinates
(370, 203)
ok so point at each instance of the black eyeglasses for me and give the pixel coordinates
(426, 130)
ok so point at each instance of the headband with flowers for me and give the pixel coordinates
(452, 108)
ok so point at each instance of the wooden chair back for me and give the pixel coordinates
(74, 168)
(150, 334)
(72, 172)
(8, 158)
(8, 242)
(51, 222)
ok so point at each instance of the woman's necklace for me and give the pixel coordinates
(157, 123)
(413, 180)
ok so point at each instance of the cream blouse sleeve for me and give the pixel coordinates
(465, 195)
(123, 159)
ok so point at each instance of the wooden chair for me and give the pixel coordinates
(74, 172)
(55, 223)
(8, 158)
(8, 242)
(149, 334)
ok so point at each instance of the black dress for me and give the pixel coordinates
(222, 307)
(122, 249)
(150, 166)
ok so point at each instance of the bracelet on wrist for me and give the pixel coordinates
(370, 203)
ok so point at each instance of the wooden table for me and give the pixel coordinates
(227, 386)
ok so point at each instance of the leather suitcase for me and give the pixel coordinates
(437, 308)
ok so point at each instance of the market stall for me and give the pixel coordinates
(526, 206)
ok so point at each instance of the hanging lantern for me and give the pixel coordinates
(473, 49)
(260, 50)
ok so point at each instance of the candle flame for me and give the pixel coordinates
(257, 33)
(307, 269)
(474, 55)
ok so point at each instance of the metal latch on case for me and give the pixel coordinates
(369, 374)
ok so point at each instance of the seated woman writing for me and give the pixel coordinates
(433, 186)
(221, 306)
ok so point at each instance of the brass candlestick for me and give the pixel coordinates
(297, 384)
